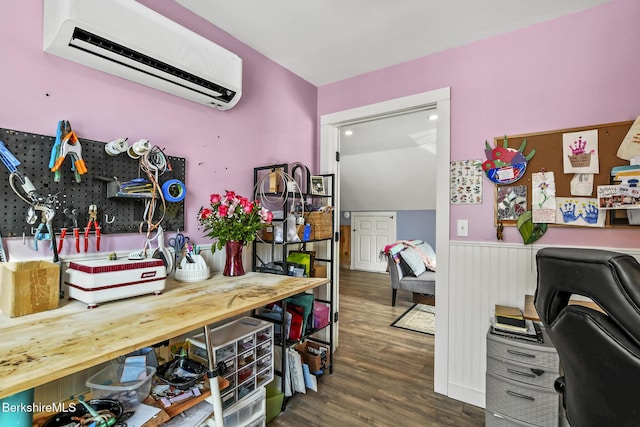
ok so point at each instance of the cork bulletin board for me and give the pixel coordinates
(549, 158)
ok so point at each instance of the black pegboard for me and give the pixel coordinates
(33, 151)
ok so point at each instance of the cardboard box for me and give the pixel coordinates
(319, 270)
(266, 232)
(29, 287)
(308, 351)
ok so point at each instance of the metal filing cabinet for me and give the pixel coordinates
(520, 383)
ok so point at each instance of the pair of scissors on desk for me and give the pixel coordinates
(178, 244)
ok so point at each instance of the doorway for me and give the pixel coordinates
(329, 133)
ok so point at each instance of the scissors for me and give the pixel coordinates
(178, 243)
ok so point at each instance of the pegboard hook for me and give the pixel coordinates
(106, 219)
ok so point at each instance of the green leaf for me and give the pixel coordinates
(523, 146)
(531, 154)
(505, 144)
(487, 145)
(529, 231)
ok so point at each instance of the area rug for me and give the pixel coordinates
(419, 318)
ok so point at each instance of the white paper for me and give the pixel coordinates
(580, 152)
(543, 197)
(582, 184)
(143, 414)
(295, 369)
(579, 211)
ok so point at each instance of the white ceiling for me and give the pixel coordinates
(409, 130)
(324, 41)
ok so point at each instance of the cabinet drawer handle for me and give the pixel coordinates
(521, 396)
(524, 374)
(519, 353)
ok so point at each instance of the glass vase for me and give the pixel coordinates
(233, 265)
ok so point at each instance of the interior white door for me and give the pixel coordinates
(371, 232)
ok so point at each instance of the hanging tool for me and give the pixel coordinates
(63, 230)
(22, 186)
(3, 257)
(69, 145)
(93, 219)
(55, 150)
(76, 229)
(46, 217)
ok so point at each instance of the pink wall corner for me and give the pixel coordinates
(573, 71)
(274, 121)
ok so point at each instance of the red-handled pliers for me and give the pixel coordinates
(93, 219)
(76, 230)
(63, 230)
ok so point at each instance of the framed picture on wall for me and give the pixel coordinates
(317, 186)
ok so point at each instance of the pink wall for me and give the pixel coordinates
(274, 122)
(574, 71)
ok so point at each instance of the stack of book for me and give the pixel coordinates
(510, 322)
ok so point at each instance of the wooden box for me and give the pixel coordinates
(29, 287)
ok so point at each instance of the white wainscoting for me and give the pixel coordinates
(481, 275)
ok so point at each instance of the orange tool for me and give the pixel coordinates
(70, 145)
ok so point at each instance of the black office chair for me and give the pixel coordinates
(599, 353)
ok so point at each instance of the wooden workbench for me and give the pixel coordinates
(43, 347)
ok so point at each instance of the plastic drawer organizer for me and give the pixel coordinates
(246, 347)
(251, 412)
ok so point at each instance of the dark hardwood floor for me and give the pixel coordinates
(383, 376)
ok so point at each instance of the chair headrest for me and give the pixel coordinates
(610, 279)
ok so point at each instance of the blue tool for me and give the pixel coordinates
(8, 158)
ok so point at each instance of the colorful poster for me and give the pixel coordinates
(579, 211)
(580, 152)
(543, 197)
(618, 197)
(466, 182)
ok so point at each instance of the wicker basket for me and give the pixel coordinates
(321, 225)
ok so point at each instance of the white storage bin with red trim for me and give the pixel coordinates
(97, 281)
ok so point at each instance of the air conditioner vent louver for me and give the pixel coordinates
(80, 35)
(129, 40)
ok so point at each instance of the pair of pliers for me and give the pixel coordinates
(93, 219)
(46, 216)
(71, 215)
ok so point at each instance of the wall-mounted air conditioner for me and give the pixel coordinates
(129, 40)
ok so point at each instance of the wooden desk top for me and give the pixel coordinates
(42, 347)
(531, 313)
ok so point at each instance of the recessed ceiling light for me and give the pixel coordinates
(348, 132)
(433, 117)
